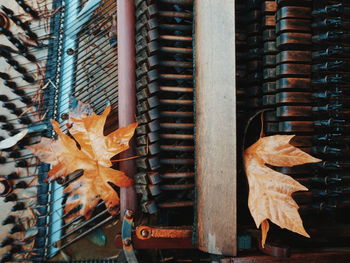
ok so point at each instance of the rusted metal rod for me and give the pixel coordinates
(126, 92)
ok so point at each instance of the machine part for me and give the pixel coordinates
(127, 241)
(146, 232)
(126, 92)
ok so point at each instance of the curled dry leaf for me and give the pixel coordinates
(78, 109)
(270, 192)
(93, 157)
(11, 141)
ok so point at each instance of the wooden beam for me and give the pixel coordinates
(215, 126)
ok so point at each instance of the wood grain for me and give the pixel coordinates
(215, 126)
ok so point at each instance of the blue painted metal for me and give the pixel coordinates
(73, 22)
(128, 248)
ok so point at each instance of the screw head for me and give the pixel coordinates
(145, 233)
(127, 242)
(70, 51)
(64, 116)
(129, 214)
(61, 180)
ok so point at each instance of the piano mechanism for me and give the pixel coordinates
(153, 131)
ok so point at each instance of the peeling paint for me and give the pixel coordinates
(212, 248)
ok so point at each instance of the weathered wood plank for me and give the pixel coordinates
(215, 126)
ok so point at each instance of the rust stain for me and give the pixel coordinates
(146, 232)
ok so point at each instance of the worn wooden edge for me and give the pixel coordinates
(312, 257)
(215, 132)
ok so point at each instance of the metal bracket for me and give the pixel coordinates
(128, 248)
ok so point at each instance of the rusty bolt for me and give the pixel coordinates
(70, 51)
(145, 233)
(61, 180)
(127, 242)
(129, 214)
(64, 116)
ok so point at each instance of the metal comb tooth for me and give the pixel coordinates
(15, 110)
(331, 37)
(282, 3)
(9, 105)
(8, 220)
(26, 100)
(331, 52)
(333, 165)
(22, 163)
(7, 127)
(18, 22)
(6, 257)
(10, 84)
(331, 139)
(332, 10)
(16, 66)
(331, 151)
(20, 185)
(15, 249)
(7, 241)
(332, 66)
(19, 92)
(289, 40)
(293, 25)
(4, 98)
(333, 179)
(4, 76)
(334, 22)
(12, 176)
(25, 120)
(2, 160)
(13, 39)
(18, 207)
(3, 118)
(28, 9)
(293, 12)
(331, 79)
(10, 198)
(28, 78)
(16, 228)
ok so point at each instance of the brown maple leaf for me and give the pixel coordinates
(270, 191)
(93, 157)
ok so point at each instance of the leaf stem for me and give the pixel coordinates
(125, 159)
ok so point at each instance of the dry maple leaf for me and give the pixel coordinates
(93, 157)
(270, 191)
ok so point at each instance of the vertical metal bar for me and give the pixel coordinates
(126, 91)
(72, 16)
(65, 90)
(215, 126)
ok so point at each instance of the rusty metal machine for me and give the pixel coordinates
(201, 78)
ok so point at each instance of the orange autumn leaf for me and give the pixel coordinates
(270, 192)
(93, 157)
